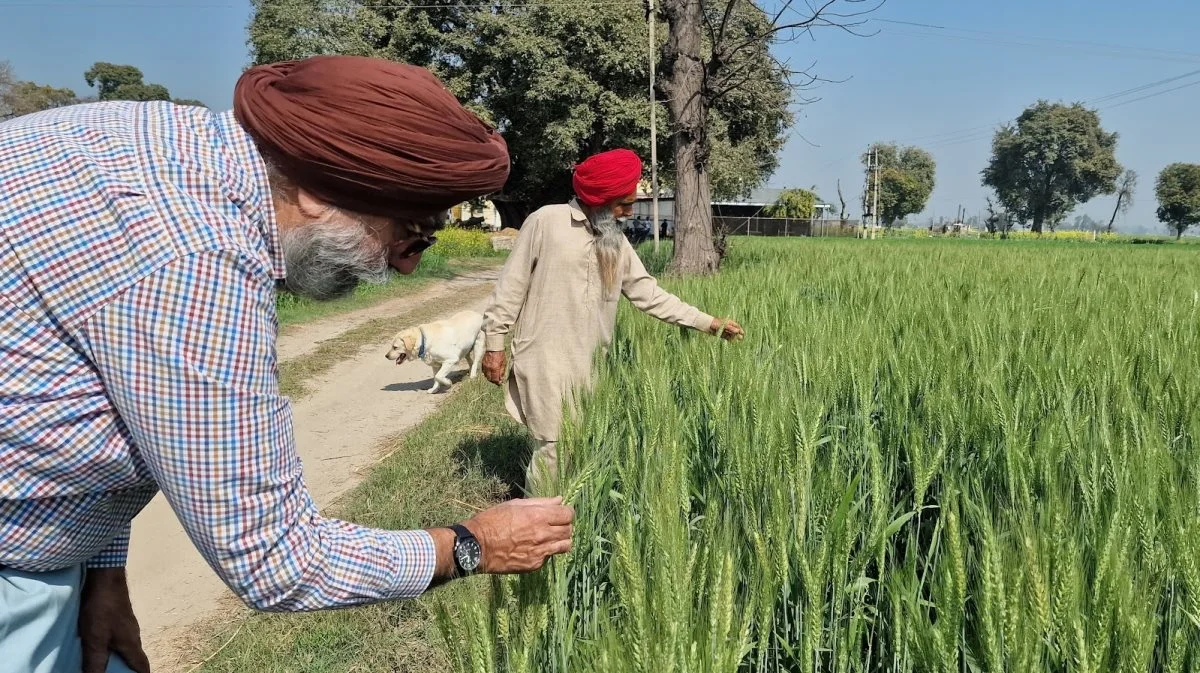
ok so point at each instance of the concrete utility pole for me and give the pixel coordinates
(868, 193)
(654, 224)
(875, 205)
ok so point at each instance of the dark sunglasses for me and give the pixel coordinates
(407, 249)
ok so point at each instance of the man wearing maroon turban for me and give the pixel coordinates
(559, 289)
(141, 245)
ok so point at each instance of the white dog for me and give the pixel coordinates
(442, 345)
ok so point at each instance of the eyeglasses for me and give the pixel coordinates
(401, 250)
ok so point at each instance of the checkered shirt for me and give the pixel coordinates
(138, 261)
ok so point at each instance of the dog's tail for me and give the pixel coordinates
(477, 353)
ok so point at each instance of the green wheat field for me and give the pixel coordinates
(926, 456)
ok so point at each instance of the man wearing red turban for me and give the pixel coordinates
(559, 289)
(141, 248)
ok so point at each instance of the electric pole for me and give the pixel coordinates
(875, 206)
(650, 19)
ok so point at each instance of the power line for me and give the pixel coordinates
(972, 134)
(1153, 95)
(1098, 50)
(947, 30)
(1144, 87)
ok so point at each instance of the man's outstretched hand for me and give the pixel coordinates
(494, 363)
(727, 329)
(516, 537)
(107, 626)
(520, 535)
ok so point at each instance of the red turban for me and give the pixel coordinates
(369, 135)
(607, 177)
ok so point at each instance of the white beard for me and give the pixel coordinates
(328, 258)
(610, 238)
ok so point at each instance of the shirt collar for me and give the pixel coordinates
(577, 213)
(255, 194)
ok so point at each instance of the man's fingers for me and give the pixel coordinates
(134, 656)
(95, 657)
(559, 515)
(560, 547)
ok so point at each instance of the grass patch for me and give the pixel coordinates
(459, 242)
(466, 455)
(295, 374)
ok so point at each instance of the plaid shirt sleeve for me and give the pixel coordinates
(115, 554)
(187, 356)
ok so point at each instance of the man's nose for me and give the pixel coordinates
(407, 265)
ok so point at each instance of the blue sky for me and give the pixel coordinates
(940, 88)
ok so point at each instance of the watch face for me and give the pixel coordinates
(468, 554)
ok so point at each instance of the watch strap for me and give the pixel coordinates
(461, 532)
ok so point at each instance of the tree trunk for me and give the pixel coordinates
(687, 106)
(1111, 222)
(1037, 224)
(512, 213)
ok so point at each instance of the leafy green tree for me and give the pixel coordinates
(793, 203)
(109, 78)
(123, 82)
(560, 80)
(1178, 192)
(18, 97)
(189, 101)
(1053, 158)
(906, 179)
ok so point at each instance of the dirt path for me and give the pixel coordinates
(338, 428)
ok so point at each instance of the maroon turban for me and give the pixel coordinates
(607, 177)
(369, 135)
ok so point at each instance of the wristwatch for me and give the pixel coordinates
(468, 553)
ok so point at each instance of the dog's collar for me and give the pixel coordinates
(421, 348)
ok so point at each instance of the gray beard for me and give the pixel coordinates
(610, 238)
(327, 261)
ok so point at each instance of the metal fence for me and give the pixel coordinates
(778, 226)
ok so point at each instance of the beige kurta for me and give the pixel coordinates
(551, 290)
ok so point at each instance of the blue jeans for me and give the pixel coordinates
(39, 615)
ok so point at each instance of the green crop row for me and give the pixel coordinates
(924, 457)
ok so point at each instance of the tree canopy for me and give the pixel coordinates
(1051, 159)
(560, 81)
(21, 97)
(125, 82)
(114, 82)
(794, 203)
(907, 176)
(1178, 193)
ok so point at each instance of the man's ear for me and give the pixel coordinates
(309, 205)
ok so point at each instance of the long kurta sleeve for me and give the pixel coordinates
(644, 292)
(504, 307)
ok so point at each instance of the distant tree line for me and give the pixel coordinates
(1047, 162)
(1055, 157)
(111, 82)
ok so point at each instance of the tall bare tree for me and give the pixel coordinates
(1126, 186)
(713, 50)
